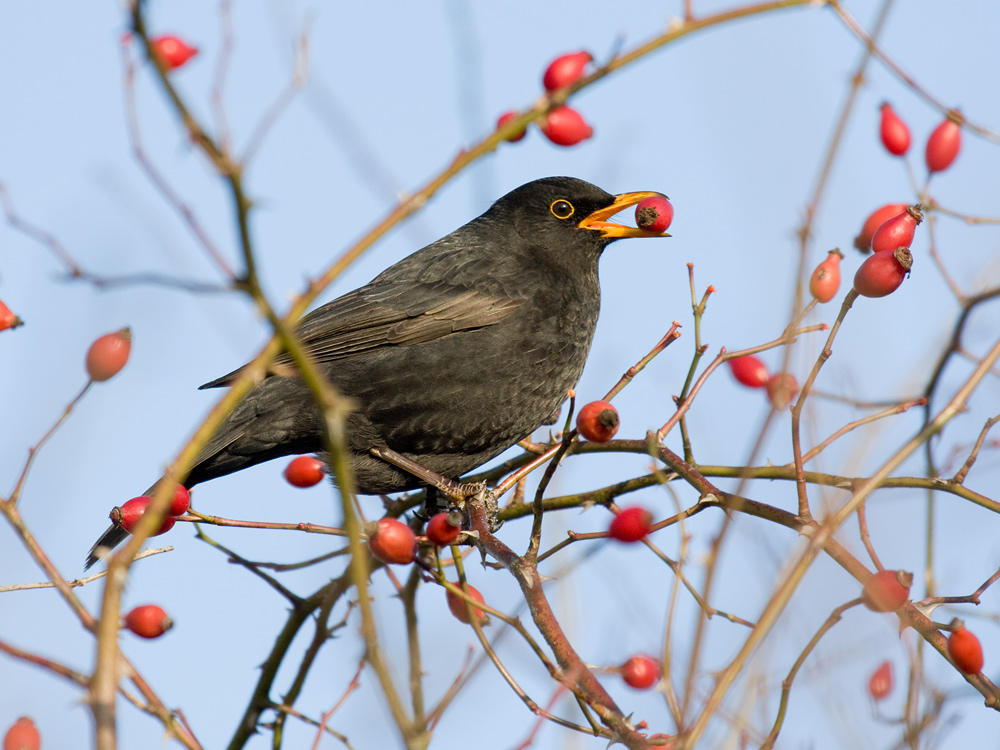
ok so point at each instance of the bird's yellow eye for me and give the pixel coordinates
(562, 209)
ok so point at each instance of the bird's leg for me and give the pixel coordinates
(457, 492)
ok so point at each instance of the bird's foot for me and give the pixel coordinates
(459, 493)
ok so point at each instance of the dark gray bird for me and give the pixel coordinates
(451, 355)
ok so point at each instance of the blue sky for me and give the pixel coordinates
(732, 123)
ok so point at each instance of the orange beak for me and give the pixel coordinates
(598, 221)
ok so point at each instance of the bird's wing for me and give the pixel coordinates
(374, 317)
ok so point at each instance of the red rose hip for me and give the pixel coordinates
(887, 590)
(654, 214)
(597, 421)
(877, 218)
(749, 371)
(108, 355)
(965, 649)
(564, 126)
(304, 471)
(893, 131)
(631, 525)
(880, 682)
(181, 501)
(782, 388)
(825, 280)
(173, 51)
(23, 735)
(148, 621)
(460, 609)
(8, 320)
(882, 273)
(641, 672)
(393, 542)
(898, 231)
(943, 144)
(505, 118)
(565, 69)
(128, 515)
(444, 528)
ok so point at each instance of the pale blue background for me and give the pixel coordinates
(732, 124)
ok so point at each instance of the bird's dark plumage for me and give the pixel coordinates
(451, 355)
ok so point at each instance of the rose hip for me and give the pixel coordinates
(654, 214)
(944, 143)
(898, 231)
(564, 126)
(895, 135)
(749, 371)
(565, 70)
(877, 218)
(882, 273)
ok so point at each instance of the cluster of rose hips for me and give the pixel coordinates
(891, 260)
(563, 125)
(887, 591)
(943, 144)
(781, 387)
(394, 543)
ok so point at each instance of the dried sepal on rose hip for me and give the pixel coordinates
(893, 131)
(880, 681)
(148, 621)
(882, 273)
(782, 388)
(172, 51)
(23, 735)
(899, 230)
(631, 525)
(129, 513)
(392, 541)
(641, 672)
(459, 607)
(876, 218)
(749, 371)
(597, 421)
(654, 214)
(304, 471)
(566, 69)
(109, 354)
(825, 280)
(8, 319)
(887, 590)
(444, 528)
(944, 143)
(506, 118)
(564, 126)
(965, 649)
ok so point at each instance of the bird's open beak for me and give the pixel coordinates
(598, 221)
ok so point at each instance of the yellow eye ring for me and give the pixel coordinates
(562, 209)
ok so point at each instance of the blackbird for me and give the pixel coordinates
(450, 356)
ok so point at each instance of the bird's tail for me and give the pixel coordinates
(110, 539)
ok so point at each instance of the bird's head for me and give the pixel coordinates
(570, 207)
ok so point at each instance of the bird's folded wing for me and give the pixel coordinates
(371, 318)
